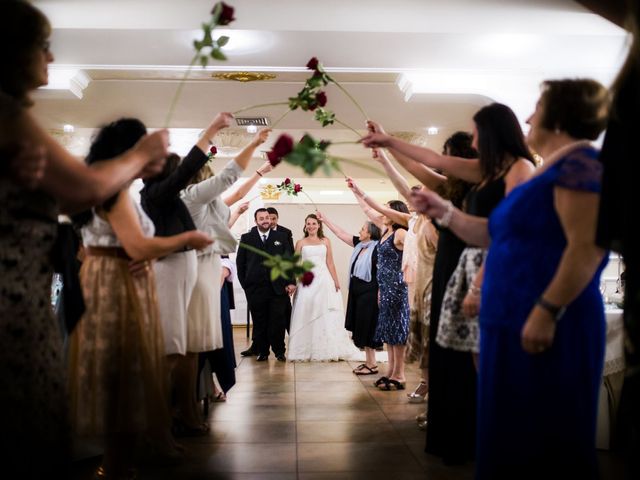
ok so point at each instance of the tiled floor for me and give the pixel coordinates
(307, 421)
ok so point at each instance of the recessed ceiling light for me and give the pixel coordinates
(67, 128)
(432, 131)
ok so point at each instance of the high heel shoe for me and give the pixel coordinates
(417, 396)
(101, 474)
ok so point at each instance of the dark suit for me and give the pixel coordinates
(267, 300)
(289, 234)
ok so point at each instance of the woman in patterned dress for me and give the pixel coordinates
(38, 179)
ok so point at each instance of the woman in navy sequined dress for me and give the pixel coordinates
(542, 326)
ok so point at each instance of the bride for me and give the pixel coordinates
(317, 320)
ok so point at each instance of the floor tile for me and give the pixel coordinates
(349, 432)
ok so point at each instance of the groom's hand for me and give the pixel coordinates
(291, 289)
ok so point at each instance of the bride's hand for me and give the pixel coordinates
(337, 284)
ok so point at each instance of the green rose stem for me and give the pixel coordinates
(314, 203)
(176, 95)
(353, 162)
(280, 118)
(349, 95)
(260, 105)
(255, 250)
(349, 127)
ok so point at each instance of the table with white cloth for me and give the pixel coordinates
(612, 377)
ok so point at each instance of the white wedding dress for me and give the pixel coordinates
(317, 330)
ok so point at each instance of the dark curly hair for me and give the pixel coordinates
(111, 141)
(398, 206)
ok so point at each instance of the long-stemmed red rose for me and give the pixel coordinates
(221, 15)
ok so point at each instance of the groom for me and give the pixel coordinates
(267, 300)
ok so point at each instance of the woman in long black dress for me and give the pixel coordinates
(362, 302)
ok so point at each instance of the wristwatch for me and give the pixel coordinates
(556, 311)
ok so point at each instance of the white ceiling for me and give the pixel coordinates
(412, 64)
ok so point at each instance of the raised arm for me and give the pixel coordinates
(331, 265)
(371, 214)
(425, 175)
(77, 186)
(343, 235)
(236, 213)
(463, 168)
(473, 230)
(399, 182)
(126, 225)
(248, 184)
(397, 217)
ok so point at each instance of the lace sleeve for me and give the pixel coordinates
(581, 170)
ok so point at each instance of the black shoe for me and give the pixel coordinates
(248, 353)
(262, 358)
(281, 358)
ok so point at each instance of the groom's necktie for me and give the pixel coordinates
(264, 238)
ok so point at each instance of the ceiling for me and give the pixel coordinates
(411, 64)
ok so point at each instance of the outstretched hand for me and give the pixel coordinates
(261, 136)
(376, 139)
(155, 147)
(429, 203)
(353, 187)
(222, 120)
(375, 127)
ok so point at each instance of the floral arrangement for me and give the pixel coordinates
(289, 187)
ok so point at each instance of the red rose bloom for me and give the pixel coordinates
(321, 99)
(282, 147)
(306, 279)
(313, 64)
(213, 150)
(226, 14)
(297, 188)
(287, 181)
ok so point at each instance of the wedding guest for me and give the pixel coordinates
(417, 270)
(117, 371)
(504, 162)
(211, 213)
(618, 213)
(38, 180)
(393, 316)
(362, 301)
(176, 273)
(542, 321)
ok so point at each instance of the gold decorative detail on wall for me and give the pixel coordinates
(269, 192)
(244, 76)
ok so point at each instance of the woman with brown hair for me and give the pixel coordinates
(33, 405)
(317, 330)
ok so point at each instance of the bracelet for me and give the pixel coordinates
(445, 220)
(556, 311)
(258, 173)
(474, 290)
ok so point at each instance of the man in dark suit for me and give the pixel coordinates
(267, 300)
(273, 216)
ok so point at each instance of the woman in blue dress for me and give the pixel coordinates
(542, 326)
